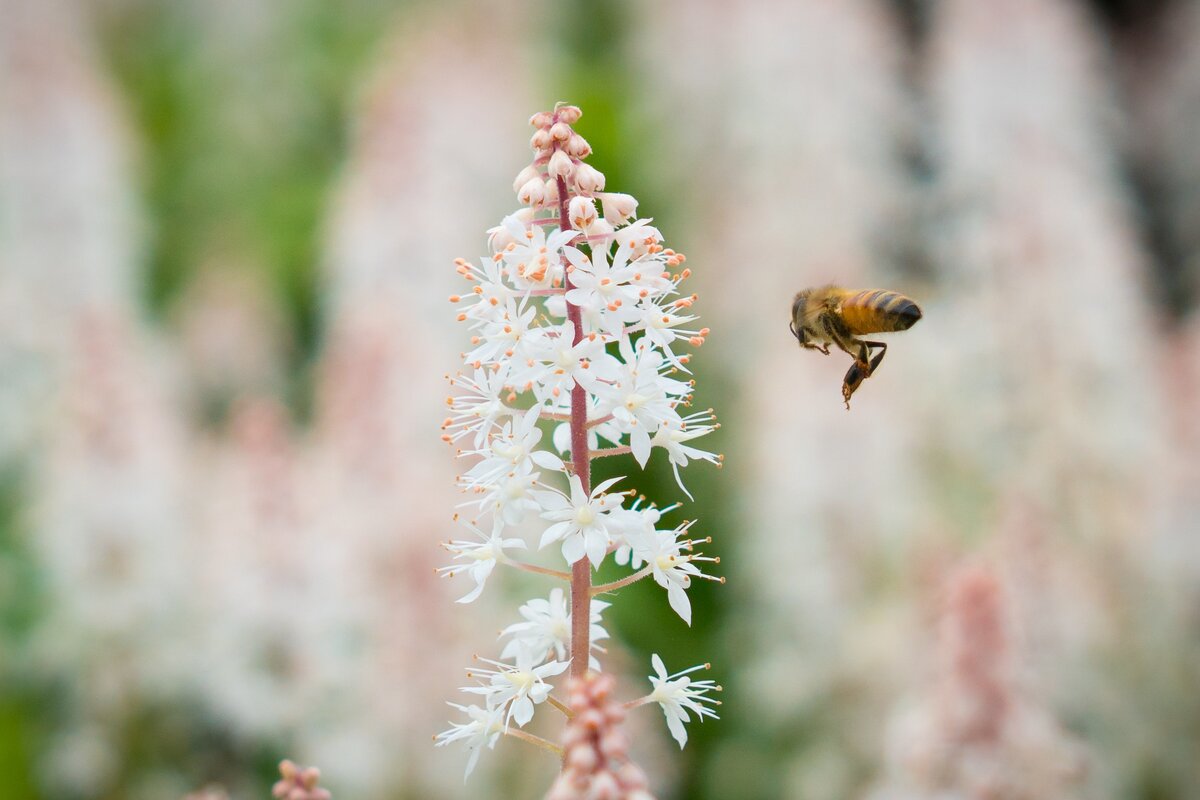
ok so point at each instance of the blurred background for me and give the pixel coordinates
(226, 233)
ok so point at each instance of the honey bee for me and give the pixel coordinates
(833, 315)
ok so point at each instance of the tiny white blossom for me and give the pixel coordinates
(508, 450)
(484, 728)
(481, 557)
(478, 408)
(580, 521)
(673, 437)
(677, 694)
(517, 687)
(547, 629)
(672, 563)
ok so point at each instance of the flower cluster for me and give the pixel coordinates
(579, 337)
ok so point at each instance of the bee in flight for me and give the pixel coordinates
(833, 315)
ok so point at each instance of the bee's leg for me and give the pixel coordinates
(854, 378)
(873, 363)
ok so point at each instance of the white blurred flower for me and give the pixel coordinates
(480, 556)
(517, 687)
(483, 729)
(678, 694)
(547, 629)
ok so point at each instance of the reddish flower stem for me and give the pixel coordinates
(581, 570)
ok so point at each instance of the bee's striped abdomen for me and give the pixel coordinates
(879, 311)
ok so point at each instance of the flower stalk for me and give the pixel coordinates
(576, 319)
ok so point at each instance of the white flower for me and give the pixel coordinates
(534, 257)
(638, 398)
(639, 236)
(554, 364)
(517, 687)
(485, 728)
(604, 289)
(498, 338)
(478, 408)
(580, 521)
(481, 557)
(510, 497)
(673, 436)
(547, 628)
(672, 564)
(509, 450)
(637, 527)
(677, 694)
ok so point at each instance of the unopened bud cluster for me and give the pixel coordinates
(596, 762)
(298, 784)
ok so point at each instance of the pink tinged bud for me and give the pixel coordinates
(605, 787)
(588, 179)
(569, 114)
(614, 745)
(524, 177)
(631, 776)
(541, 140)
(542, 119)
(560, 165)
(532, 193)
(578, 146)
(618, 208)
(582, 212)
(550, 197)
(560, 132)
(582, 759)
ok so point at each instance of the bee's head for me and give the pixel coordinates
(796, 325)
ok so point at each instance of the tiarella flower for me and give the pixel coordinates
(580, 332)
(510, 497)
(534, 258)
(499, 338)
(673, 565)
(678, 694)
(513, 447)
(490, 295)
(483, 729)
(640, 237)
(581, 521)
(516, 687)
(638, 398)
(480, 557)
(661, 326)
(673, 437)
(556, 364)
(547, 629)
(638, 526)
(604, 289)
(478, 408)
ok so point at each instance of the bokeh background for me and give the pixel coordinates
(226, 232)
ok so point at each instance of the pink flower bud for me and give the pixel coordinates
(582, 213)
(569, 114)
(560, 131)
(560, 165)
(524, 176)
(605, 787)
(588, 179)
(541, 139)
(542, 119)
(532, 193)
(550, 195)
(583, 759)
(578, 146)
(618, 208)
